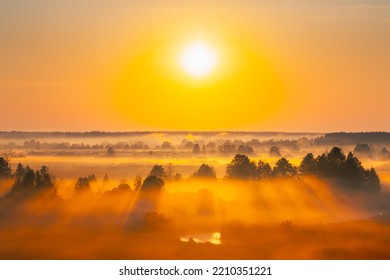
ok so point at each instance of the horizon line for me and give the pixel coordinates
(188, 131)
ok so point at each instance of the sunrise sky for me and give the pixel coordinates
(269, 65)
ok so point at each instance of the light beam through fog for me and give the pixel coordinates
(193, 205)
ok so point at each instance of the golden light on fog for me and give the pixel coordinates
(199, 59)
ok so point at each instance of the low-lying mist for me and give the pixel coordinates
(264, 197)
(196, 218)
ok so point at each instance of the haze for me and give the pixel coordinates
(80, 65)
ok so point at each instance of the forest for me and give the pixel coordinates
(327, 205)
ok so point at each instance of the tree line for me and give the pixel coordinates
(346, 171)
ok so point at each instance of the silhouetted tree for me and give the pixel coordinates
(245, 149)
(110, 151)
(294, 147)
(283, 168)
(106, 179)
(363, 150)
(241, 168)
(205, 171)
(177, 177)
(43, 180)
(91, 178)
(24, 184)
(274, 152)
(385, 153)
(82, 185)
(122, 188)
(5, 169)
(353, 170)
(347, 172)
(372, 181)
(322, 165)
(227, 148)
(139, 145)
(27, 182)
(264, 170)
(335, 161)
(158, 171)
(166, 145)
(187, 144)
(19, 172)
(196, 149)
(137, 183)
(152, 183)
(211, 146)
(308, 165)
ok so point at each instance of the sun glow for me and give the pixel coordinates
(196, 80)
(198, 59)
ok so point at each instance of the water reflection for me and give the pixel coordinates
(213, 238)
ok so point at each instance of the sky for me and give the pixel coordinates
(308, 66)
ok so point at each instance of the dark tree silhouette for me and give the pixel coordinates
(28, 178)
(353, 170)
(360, 178)
(5, 169)
(347, 172)
(372, 181)
(91, 178)
(205, 171)
(152, 183)
(122, 188)
(110, 151)
(385, 153)
(283, 168)
(158, 171)
(187, 144)
(211, 146)
(177, 177)
(27, 182)
(196, 149)
(43, 180)
(245, 149)
(335, 161)
(19, 172)
(166, 145)
(363, 150)
(264, 170)
(82, 185)
(322, 165)
(308, 165)
(137, 183)
(227, 148)
(274, 152)
(294, 147)
(241, 168)
(24, 183)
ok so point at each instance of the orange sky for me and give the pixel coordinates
(104, 65)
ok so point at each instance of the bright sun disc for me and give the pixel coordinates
(198, 59)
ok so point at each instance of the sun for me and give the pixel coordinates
(198, 59)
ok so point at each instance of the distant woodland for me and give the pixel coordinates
(346, 170)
